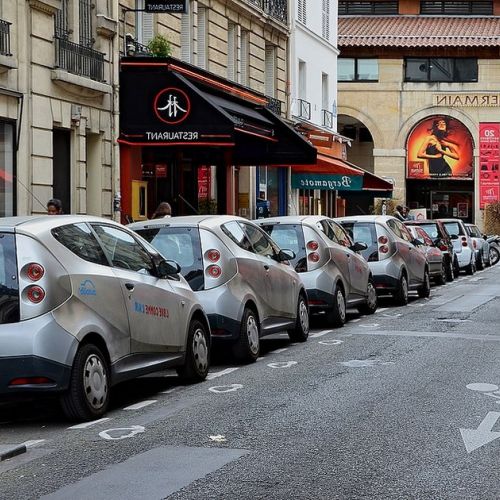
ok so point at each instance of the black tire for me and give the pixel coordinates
(336, 315)
(87, 397)
(425, 290)
(197, 359)
(441, 278)
(301, 331)
(471, 268)
(401, 293)
(247, 348)
(456, 268)
(450, 272)
(479, 262)
(371, 304)
(494, 255)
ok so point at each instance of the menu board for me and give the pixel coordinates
(489, 162)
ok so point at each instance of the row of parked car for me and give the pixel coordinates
(86, 303)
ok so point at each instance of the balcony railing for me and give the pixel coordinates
(278, 9)
(304, 109)
(5, 38)
(79, 60)
(326, 118)
(274, 105)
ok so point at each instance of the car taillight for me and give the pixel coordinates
(213, 255)
(443, 248)
(313, 245)
(464, 241)
(383, 240)
(383, 249)
(35, 271)
(214, 271)
(35, 294)
(30, 381)
(313, 257)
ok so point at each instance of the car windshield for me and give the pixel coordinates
(182, 245)
(289, 237)
(431, 230)
(362, 232)
(9, 287)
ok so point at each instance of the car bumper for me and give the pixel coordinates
(384, 283)
(464, 257)
(223, 328)
(37, 350)
(319, 300)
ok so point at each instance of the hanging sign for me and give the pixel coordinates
(166, 6)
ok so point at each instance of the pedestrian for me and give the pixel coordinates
(162, 210)
(384, 207)
(399, 213)
(54, 207)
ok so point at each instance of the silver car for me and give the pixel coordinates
(335, 275)
(85, 304)
(397, 266)
(462, 244)
(480, 245)
(241, 277)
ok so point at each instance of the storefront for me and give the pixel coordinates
(185, 132)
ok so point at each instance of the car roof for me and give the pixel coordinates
(208, 221)
(365, 218)
(293, 219)
(421, 221)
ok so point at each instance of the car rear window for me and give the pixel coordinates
(181, 244)
(454, 228)
(431, 229)
(9, 285)
(362, 232)
(289, 237)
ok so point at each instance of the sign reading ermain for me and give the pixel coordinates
(166, 6)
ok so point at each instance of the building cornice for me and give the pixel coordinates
(49, 7)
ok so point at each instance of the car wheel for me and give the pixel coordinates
(371, 304)
(479, 262)
(301, 331)
(196, 362)
(456, 268)
(441, 278)
(247, 347)
(401, 293)
(336, 316)
(87, 396)
(494, 255)
(450, 272)
(471, 268)
(425, 290)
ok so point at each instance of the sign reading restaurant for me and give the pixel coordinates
(166, 6)
(466, 100)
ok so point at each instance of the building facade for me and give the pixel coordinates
(57, 106)
(418, 96)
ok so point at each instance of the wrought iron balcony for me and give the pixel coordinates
(79, 60)
(277, 9)
(274, 105)
(304, 109)
(326, 118)
(5, 38)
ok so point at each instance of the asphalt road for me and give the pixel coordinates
(404, 404)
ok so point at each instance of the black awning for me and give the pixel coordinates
(168, 103)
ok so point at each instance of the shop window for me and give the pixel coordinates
(368, 8)
(475, 7)
(7, 172)
(443, 69)
(353, 69)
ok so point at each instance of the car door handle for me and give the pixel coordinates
(129, 286)
(266, 267)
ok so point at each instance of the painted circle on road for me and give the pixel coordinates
(331, 342)
(121, 432)
(482, 387)
(220, 389)
(282, 364)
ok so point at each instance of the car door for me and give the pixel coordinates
(152, 305)
(281, 281)
(407, 251)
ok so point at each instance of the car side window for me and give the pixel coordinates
(394, 227)
(123, 250)
(79, 239)
(340, 234)
(327, 230)
(235, 232)
(422, 235)
(261, 243)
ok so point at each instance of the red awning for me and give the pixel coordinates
(329, 165)
(372, 182)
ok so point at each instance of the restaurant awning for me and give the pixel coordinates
(164, 102)
(334, 174)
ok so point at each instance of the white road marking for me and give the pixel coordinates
(392, 315)
(370, 325)
(219, 438)
(33, 442)
(319, 334)
(381, 309)
(355, 320)
(482, 387)
(140, 405)
(282, 364)
(132, 431)
(484, 434)
(278, 351)
(211, 376)
(331, 342)
(261, 358)
(170, 391)
(404, 333)
(221, 389)
(88, 424)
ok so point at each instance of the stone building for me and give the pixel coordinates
(416, 77)
(57, 106)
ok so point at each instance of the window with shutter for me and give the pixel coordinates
(144, 24)
(326, 19)
(245, 57)
(85, 14)
(61, 21)
(232, 51)
(270, 68)
(302, 11)
(203, 37)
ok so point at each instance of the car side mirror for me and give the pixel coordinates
(359, 246)
(454, 236)
(284, 255)
(167, 268)
(417, 242)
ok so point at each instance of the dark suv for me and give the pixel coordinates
(442, 239)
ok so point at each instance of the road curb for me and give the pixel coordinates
(9, 451)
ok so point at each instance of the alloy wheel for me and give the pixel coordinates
(95, 382)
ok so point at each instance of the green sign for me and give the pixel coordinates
(327, 182)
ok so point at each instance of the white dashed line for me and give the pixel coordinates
(88, 424)
(319, 334)
(381, 309)
(355, 320)
(140, 405)
(277, 351)
(211, 376)
(170, 391)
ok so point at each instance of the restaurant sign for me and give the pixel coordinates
(327, 182)
(166, 6)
